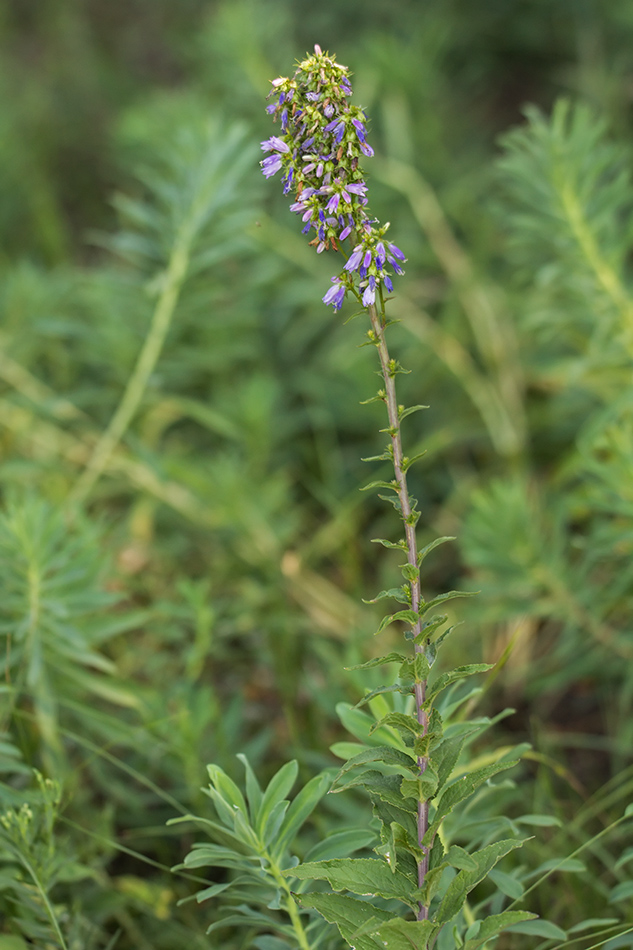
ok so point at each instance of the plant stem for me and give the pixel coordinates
(290, 903)
(389, 370)
(145, 364)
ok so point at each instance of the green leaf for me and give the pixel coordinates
(410, 572)
(341, 844)
(456, 857)
(539, 928)
(361, 725)
(398, 934)
(364, 876)
(401, 594)
(422, 787)
(443, 598)
(400, 721)
(507, 885)
(393, 485)
(494, 925)
(624, 858)
(461, 789)
(397, 688)
(593, 923)
(542, 821)
(379, 753)
(301, 808)
(274, 822)
(621, 892)
(461, 886)
(408, 462)
(226, 788)
(628, 810)
(397, 545)
(431, 547)
(453, 676)
(387, 787)
(403, 413)
(446, 756)
(379, 661)
(276, 791)
(570, 865)
(253, 790)
(348, 914)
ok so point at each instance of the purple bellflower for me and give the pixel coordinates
(324, 137)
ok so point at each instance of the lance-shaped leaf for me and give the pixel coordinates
(453, 676)
(349, 915)
(445, 757)
(397, 688)
(276, 791)
(398, 934)
(396, 545)
(401, 594)
(301, 808)
(403, 413)
(461, 886)
(405, 724)
(406, 616)
(379, 753)
(365, 876)
(431, 547)
(386, 787)
(389, 812)
(443, 598)
(494, 925)
(379, 661)
(461, 789)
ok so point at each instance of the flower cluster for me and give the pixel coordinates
(319, 153)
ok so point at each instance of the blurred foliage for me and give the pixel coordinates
(207, 599)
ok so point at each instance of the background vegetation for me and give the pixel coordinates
(206, 595)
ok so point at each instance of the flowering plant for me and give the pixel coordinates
(319, 153)
(409, 757)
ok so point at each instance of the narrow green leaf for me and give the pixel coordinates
(386, 787)
(348, 914)
(379, 661)
(456, 857)
(431, 547)
(301, 808)
(398, 545)
(507, 885)
(542, 821)
(570, 865)
(397, 688)
(454, 676)
(253, 791)
(401, 594)
(364, 876)
(446, 756)
(593, 923)
(226, 787)
(403, 413)
(461, 789)
(393, 486)
(408, 462)
(494, 925)
(443, 598)
(274, 821)
(621, 892)
(422, 787)
(400, 721)
(341, 844)
(539, 928)
(379, 753)
(461, 886)
(276, 791)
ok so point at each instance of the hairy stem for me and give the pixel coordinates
(291, 905)
(389, 369)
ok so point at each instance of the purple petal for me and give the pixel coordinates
(357, 188)
(367, 259)
(366, 149)
(397, 252)
(271, 165)
(332, 204)
(369, 296)
(344, 233)
(381, 254)
(354, 258)
(388, 284)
